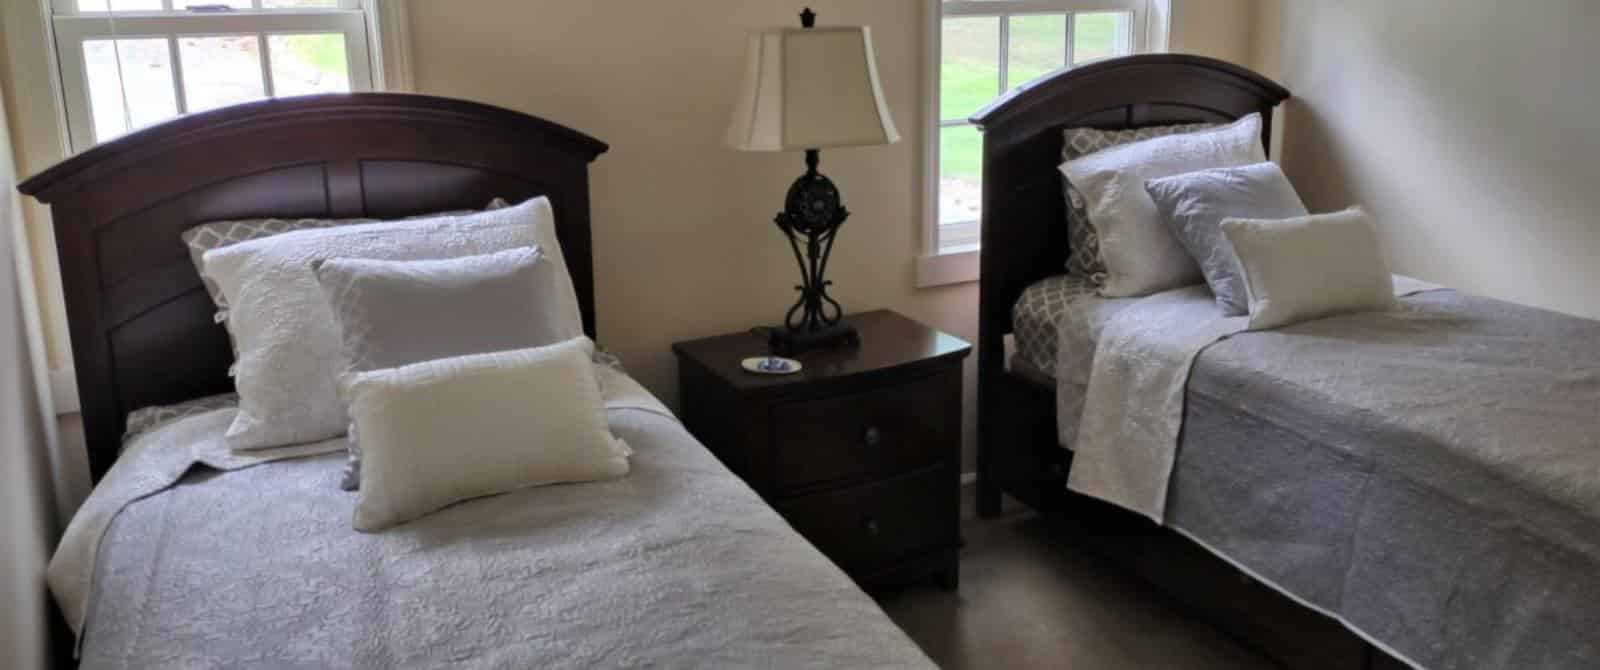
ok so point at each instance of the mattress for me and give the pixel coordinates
(679, 564)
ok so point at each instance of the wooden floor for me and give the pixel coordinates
(1029, 601)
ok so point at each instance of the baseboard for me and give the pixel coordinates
(64, 391)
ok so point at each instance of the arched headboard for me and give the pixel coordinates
(140, 321)
(1024, 211)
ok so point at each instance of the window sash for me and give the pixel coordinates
(176, 8)
(72, 31)
(961, 236)
(999, 7)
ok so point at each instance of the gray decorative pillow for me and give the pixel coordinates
(394, 313)
(219, 234)
(1196, 203)
(1083, 242)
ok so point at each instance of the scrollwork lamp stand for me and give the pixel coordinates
(811, 219)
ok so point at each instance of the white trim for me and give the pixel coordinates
(72, 30)
(389, 28)
(998, 7)
(951, 267)
(57, 90)
(932, 35)
(70, 8)
(1158, 26)
(64, 391)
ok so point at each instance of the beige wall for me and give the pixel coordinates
(684, 243)
(1216, 28)
(1467, 127)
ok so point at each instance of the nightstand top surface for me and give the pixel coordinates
(888, 340)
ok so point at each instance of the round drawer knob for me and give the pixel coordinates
(872, 437)
(871, 526)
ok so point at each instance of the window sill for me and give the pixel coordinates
(954, 266)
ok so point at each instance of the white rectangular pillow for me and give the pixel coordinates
(289, 345)
(1140, 252)
(439, 432)
(1310, 267)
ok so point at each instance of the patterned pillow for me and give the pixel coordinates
(1037, 315)
(1083, 242)
(219, 234)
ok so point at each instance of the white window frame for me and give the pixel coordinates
(941, 262)
(73, 27)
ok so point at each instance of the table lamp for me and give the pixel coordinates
(807, 89)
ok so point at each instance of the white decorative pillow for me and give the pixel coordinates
(443, 431)
(289, 346)
(1083, 243)
(1310, 267)
(1141, 254)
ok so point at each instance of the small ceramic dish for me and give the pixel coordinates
(770, 365)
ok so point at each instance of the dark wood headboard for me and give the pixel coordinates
(1024, 210)
(141, 323)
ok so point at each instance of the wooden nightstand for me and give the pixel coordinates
(860, 451)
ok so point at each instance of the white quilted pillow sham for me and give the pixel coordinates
(439, 432)
(289, 346)
(1310, 267)
(1141, 254)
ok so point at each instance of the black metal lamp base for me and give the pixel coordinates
(785, 342)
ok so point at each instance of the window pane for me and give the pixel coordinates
(1038, 47)
(119, 5)
(221, 71)
(960, 174)
(1097, 35)
(307, 64)
(145, 74)
(279, 4)
(969, 68)
(236, 4)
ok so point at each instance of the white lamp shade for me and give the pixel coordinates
(810, 88)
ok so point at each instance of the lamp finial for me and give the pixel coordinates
(808, 18)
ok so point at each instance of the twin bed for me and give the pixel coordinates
(1418, 486)
(190, 554)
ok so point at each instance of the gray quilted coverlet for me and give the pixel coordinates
(677, 565)
(1430, 476)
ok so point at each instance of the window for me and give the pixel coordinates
(127, 64)
(980, 50)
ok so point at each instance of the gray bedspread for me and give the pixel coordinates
(679, 564)
(1429, 476)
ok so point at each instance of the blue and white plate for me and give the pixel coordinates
(770, 365)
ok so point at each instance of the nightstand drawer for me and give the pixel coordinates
(844, 439)
(866, 527)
